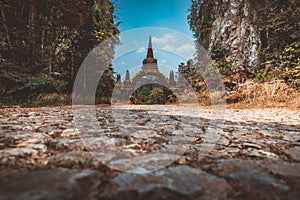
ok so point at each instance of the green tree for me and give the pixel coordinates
(280, 55)
(156, 96)
(45, 42)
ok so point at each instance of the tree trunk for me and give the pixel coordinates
(42, 43)
(72, 64)
(50, 61)
(31, 22)
(6, 29)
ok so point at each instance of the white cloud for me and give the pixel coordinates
(186, 51)
(141, 50)
(123, 63)
(167, 38)
(163, 61)
(172, 42)
(168, 48)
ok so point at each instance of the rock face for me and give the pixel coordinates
(233, 24)
(234, 27)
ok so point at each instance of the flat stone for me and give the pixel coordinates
(49, 184)
(292, 136)
(117, 134)
(263, 154)
(19, 135)
(280, 167)
(150, 161)
(224, 141)
(70, 133)
(142, 121)
(172, 183)
(289, 128)
(294, 153)
(144, 134)
(32, 141)
(270, 133)
(252, 181)
(69, 143)
(33, 114)
(251, 145)
(70, 158)
(179, 139)
(20, 152)
(254, 154)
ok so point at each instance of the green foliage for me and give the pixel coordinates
(200, 19)
(172, 98)
(280, 30)
(292, 76)
(156, 96)
(17, 84)
(45, 42)
(218, 52)
(283, 22)
(199, 74)
(222, 63)
(153, 94)
(149, 94)
(189, 71)
(105, 86)
(282, 65)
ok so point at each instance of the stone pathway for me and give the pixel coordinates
(191, 153)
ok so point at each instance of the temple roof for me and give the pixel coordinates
(150, 57)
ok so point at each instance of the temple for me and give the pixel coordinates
(150, 63)
(123, 92)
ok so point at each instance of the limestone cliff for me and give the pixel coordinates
(234, 27)
(231, 23)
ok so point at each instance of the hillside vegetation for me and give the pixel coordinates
(268, 31)
(43, 44)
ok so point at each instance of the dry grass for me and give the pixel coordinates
(275, 94)
(52, 100)
(204, 98)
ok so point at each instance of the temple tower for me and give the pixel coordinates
(172, 81)
(150, 63)
(127, 81)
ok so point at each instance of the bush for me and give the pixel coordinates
(156, 96)
(284, 65)
(53, 99)
(18, 86)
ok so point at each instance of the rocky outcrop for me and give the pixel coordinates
(234, 26)
(231, 24)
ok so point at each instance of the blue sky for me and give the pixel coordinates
(165, 21)
(170, 14)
